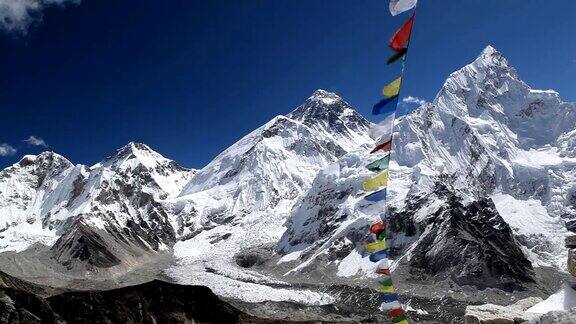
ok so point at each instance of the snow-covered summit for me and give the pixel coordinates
(487, 133)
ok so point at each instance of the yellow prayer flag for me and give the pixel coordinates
(393, 88)
(376, 182)
(386, 289)
(375, 246)
(403, 322)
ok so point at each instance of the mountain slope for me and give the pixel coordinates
(234, 209)
(102, 216)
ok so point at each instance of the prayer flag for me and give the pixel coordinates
(377, 196)
(376, 182)
(388, 298)
(383, 130)
(396, 312)
(379, 165)
(393, 88)
(377, 228)
(399, 319)
(390, 305)
(380, 255)
(385, 272)
(384, 265)
(375, 246)
(399, 40)
(386, 289)
(381, 236)
(399, 6)
(385, 282)
(385, 106)
(383, 147)
(400, 54)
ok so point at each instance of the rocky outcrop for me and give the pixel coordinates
(497, 314)
(152, 302)
(469, 244)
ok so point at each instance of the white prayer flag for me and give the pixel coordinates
(399, 6)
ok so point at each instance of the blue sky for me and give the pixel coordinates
(189, 78)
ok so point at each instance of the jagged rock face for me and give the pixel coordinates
(472, 244)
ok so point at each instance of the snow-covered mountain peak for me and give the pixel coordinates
(135, 152)
(324, 106)
(327, 113)
(45, 160)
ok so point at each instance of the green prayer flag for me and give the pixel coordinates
(397, 56)
(379, 165)
(386, 282)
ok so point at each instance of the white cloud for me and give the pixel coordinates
(413, 100)
(17, 15)
(6, 150)
(36, 141)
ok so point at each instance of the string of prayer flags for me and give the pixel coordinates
(393, 88)
(399, 6)
(399, 40)
(398, 55)
(376, 182)
(384, 132)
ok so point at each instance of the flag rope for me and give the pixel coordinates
(376, 185)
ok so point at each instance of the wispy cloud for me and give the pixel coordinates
(36, 141)
(16, 16)
(6, 150)
(413, 100)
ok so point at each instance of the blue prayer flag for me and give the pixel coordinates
(385, 106)
(380, 255)
(376, 196)
(388, 298)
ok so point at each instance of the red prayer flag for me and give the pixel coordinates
(399, 40)
(377, 228)
(396, 312)
(382, 271)
(386, 146)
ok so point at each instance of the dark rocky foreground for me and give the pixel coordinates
(153, 302)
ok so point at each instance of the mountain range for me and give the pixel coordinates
(481, 196)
